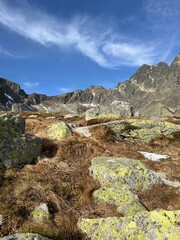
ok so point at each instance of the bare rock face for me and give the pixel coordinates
(17, 148)
(114, 110)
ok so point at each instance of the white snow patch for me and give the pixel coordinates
(8, 96)
(44, 108)
(89, 105)
(154, 156)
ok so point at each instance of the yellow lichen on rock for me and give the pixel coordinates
(40, 213)
(127, 203)
(59, 130)
(115, 172)
(144, 225)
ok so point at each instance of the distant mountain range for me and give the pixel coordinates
(152, 90)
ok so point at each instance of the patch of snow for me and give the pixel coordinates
(90, 105)
(44, 108)
(153, 156)
(142, 88)
(8, 96)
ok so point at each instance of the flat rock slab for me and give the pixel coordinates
(144, 225)
(154, 156)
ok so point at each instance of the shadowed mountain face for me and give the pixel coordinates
(152, 90)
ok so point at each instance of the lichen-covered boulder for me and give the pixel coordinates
(144, 225)
(25, 236)
(40, 213)
(16, 147)
(115, 172)
(127, 202)
(141, 129)
(59, 130)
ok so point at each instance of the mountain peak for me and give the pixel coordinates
(176, 61)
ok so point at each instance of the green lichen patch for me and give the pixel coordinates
(40, 213)
(127, 202)
(58, 131)
(144, 225)
(115, 172)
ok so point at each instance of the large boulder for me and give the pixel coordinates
(25, 236)
(120, 180)
(144, 225)
(16, 147)
(114, 172)
(59, 130)
(142, 129)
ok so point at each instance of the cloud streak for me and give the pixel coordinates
(31, 84)
(6, 53)
(64, 90)
(80, 34)
(162, 19)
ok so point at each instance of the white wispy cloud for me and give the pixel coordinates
(4, 52)
(31, 84)
(64, 90)
(162, 20)
(128, 54)
(81, 34)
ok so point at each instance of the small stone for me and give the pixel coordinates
(40, 213)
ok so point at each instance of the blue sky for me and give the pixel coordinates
(57, 46)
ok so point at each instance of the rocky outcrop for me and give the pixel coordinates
(25, 236)
(144, 225)
(120, 179)
(17, 148)
(134, 129)
(115, 110)
(59, 130)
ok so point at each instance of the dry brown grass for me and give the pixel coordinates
(61, 179)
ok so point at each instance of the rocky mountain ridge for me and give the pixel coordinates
(147, 92)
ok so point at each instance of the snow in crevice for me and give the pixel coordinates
(8, 96)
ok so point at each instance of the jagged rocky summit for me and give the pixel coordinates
(148, 92)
